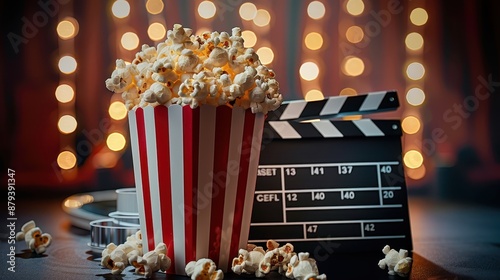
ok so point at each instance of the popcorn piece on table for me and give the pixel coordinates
(397, 262)
(117, 258)
(203, 269)
(151, 261)
(34, 238)
(248, 261)
(301, 267)
(276, 258)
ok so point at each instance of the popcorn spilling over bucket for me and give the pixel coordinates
(195, 170)
(197, 105)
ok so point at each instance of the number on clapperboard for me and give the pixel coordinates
(318, 196)
(344, 195)
(317, 170)
(312, 228)
(345, 169)
(369, 227)
(290, 171)
(386, 169)
(292, 197)
(388, 194)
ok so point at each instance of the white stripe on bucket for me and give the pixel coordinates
(175, 133)
(252, 177)
(154, 184)
(134, 146)
(233, 166)
(205, 163)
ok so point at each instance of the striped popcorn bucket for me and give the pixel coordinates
(195, 173)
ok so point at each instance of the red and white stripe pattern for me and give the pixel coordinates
(195, 172)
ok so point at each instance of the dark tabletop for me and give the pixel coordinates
(451, 241)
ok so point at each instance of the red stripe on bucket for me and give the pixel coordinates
(141, 137)
(165, 186)
(191, 119)
(222, 137)
(246, 150)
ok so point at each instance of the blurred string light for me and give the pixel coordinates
(313, 41)
(129, 41)
(415, 71)
(262, 18)
(66, 160)
(413, 159)
(414, 41)
(416, 173)
(202, 30)
(316, 10)
(248, 11)
(116, 141)
(156, 31)
(67, 64)
(67, 124)
(117, 110)
(353, 66)
(355, 7)
(313, 95)
(419, 16)
(249, 37)
(120, 9)
(154, 7)
(207, 9)
(354, 34)
(105, 159)
(415, 96)
(309, 71)
(64, 93)
(410, 125)
(266, 55)
(67, 28)
(348, 92)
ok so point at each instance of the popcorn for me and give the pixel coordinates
(302, 267)
(254, 259)
(203, 269)
(248, 261)
(214, 68)
(117, 258)
(34, 238)
(276, 258)
(158, 92)
(151, 261)
(114, 258)
(397, 262)
(121, 78)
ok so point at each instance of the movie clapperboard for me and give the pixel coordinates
(329, 185)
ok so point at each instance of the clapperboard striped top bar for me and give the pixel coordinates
(331, 129)
(336, 106)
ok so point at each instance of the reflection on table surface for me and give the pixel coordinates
(451, 241)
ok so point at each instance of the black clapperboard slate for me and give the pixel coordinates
(332, 186)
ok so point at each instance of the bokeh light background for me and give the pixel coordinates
(430, 52)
